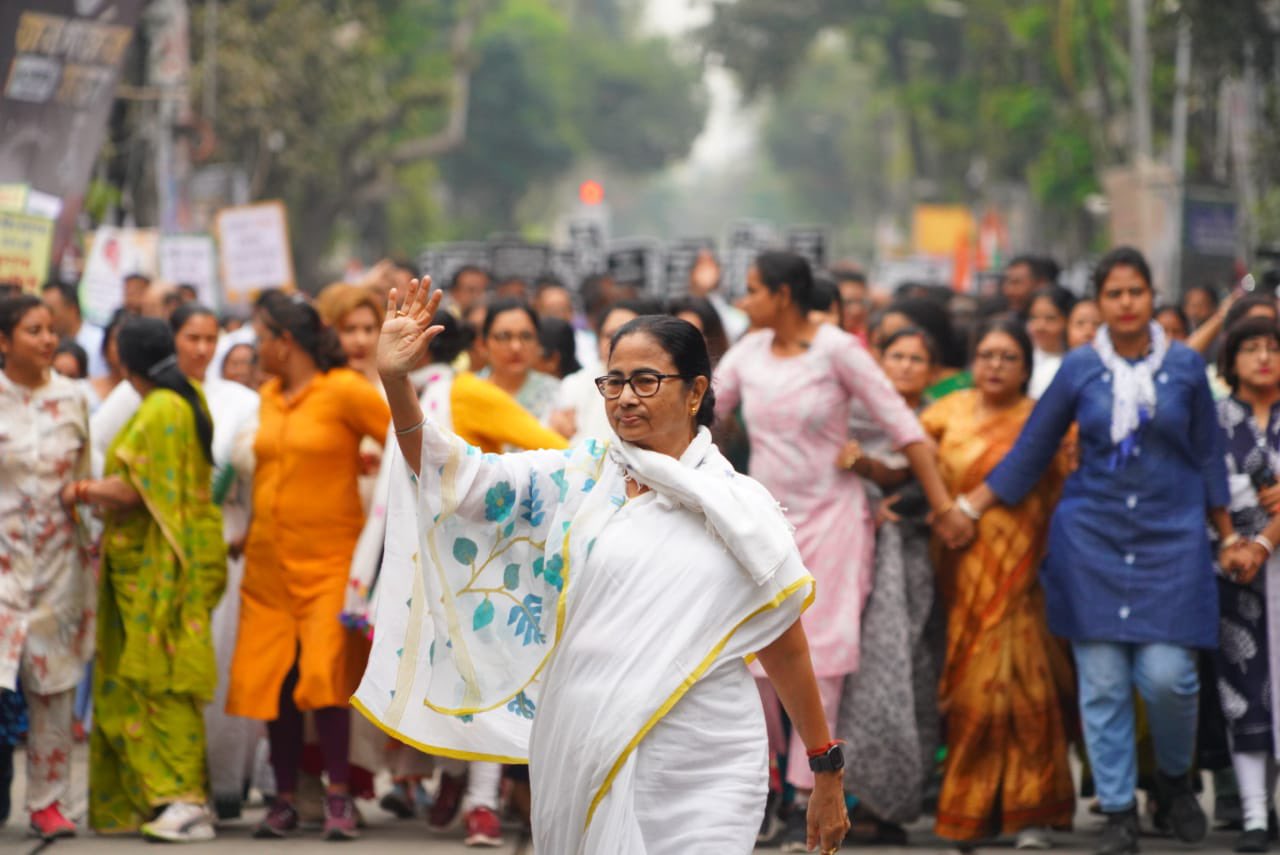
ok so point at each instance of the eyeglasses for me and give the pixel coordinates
(1259, 348)
(1002, 356)
(510, 337)
(644, 383)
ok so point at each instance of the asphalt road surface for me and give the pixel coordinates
(388, 835)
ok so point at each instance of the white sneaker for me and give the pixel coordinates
(1034, 838)
(181, 822)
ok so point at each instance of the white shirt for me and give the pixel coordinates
(107, 421)
(578, 393)
(1044, 367)
(90, 338)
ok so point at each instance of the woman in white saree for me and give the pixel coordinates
(589, 611)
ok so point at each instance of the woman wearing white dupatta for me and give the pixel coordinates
(663, 570)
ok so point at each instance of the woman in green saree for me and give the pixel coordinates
(163, 570)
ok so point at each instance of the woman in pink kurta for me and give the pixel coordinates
(797, 382)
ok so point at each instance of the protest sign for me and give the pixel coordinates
(60, 61)
(682, 254)
(113, 254)
(441, 260)
(747, 238)
(512, 258)
(636, 263)
(253, 250)
(191, 260)
(25, 246)
(809, 242)
(13, 196)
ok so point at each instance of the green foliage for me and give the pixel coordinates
(546, 95)
(338, 107)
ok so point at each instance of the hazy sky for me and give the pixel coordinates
(730, 132)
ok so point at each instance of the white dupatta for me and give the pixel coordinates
(467, 621)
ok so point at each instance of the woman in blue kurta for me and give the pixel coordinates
(1128, 578)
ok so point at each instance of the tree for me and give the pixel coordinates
(994, 91)
(547, 95)
(324, 101)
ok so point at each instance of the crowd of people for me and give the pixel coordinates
(1039, 522)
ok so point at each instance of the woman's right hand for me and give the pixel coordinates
(407, 331)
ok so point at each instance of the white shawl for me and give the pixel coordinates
(1133, 387)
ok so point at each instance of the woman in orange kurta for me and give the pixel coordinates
(292, 651)
(1006, 683)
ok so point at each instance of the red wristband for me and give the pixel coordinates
(818, 752)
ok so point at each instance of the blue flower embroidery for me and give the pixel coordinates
(527, 617)
(562, 482)
(553, 570)
(522, 706)
(499, 502)
(532, 504)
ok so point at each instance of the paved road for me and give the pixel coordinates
(387, 835)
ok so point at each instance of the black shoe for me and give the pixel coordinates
(1178, 811)
(1120, 834)
(6, 781)
(796, 834)
(1253, 840)
(771, 826)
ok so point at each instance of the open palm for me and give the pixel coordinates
(407, 330)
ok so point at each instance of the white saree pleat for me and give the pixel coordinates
(645, 709)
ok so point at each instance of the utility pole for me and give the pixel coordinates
(1140, 82)
(1178, 145)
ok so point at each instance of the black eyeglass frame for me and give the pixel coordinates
(630, 381)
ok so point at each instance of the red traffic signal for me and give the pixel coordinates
(591, 192)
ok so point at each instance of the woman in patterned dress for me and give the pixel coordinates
(1250, 363)
(46, 586)
(796, 381)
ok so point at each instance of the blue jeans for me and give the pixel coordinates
(1166, 678)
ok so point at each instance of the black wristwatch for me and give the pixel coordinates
(831, 760)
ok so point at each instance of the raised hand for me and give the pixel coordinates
(407, 331)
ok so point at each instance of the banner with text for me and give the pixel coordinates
(25, 244)
(60, 61)
(253, 250)
(113, 254)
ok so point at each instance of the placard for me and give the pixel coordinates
(682, 255)
(515, 259)
(253, 250)
(587, 241)
(26, 243)
(747, 239)
(810, 243)
(113, 254)
(191, 260)
(636, 263)
(440, 261)
(13, 197)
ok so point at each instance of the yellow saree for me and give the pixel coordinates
(1006, 684)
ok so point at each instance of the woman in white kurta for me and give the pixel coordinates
(589, 611)
(47, 590)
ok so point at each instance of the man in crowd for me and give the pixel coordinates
(467, 289)
(135, 292)
(64, 305)
(1023, 276)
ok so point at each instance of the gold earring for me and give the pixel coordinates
(695, 409)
